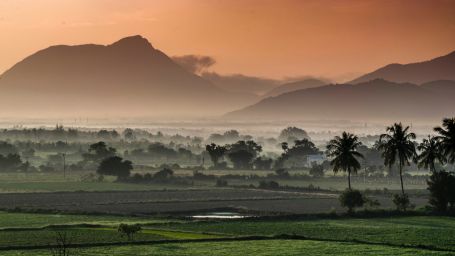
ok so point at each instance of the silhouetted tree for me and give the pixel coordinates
(216, 152)
(99, 151)
(430, 152)
(241, 159)
(242, 153)
(344, 152)
(397, 144)
(447, 139)
(291, 134)
(115, 166)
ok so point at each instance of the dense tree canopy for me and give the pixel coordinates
(115, 166)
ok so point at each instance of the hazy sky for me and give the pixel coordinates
(273, 38)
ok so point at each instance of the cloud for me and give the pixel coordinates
(196, 64)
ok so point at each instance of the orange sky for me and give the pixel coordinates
(273, 38)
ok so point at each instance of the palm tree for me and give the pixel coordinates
(395, 145)
(344, 152)
(430, 152)
(447, 138)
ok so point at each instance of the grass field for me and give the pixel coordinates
(258, 248)
(435, 232)
(419, 235)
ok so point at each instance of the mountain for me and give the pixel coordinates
(441, 68)
(241, 83)
(374, 100)
(294, 86)
(442, 87)
(128, 77)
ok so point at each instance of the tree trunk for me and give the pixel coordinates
(349, 179)
(401, 179)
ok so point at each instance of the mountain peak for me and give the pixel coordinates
(136, 41)
(440, 68)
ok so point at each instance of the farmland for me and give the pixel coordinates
(418, 235)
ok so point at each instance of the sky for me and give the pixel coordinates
(269, 38)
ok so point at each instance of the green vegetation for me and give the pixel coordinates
(31, 220)
(434, 232)
(422, 235)
(259, 248)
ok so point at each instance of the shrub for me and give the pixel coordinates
(352, 199)
(128, 230)
(402, 202)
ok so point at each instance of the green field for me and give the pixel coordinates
(421, 235)
(258, 248)
(434, 232)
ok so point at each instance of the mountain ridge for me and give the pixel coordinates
(439, 68)
(125, 77)
(374, 100)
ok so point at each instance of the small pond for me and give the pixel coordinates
(220, 215)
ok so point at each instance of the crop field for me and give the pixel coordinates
(182, 201)
(433, 232)
(420, 235)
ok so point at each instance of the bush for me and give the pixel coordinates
(352, 199)
(402, 202)
(129, 230)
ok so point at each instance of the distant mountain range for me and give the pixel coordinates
(126, 78)
(294, 86)
(130, 78)
(373, 100)
(441, 68)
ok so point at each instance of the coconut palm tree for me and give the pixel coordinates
(447, 138)
(397, 144)
(430, 152)
(344, 152)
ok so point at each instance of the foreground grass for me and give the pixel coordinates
(422, 235)
(259, 248)
(432, 232)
